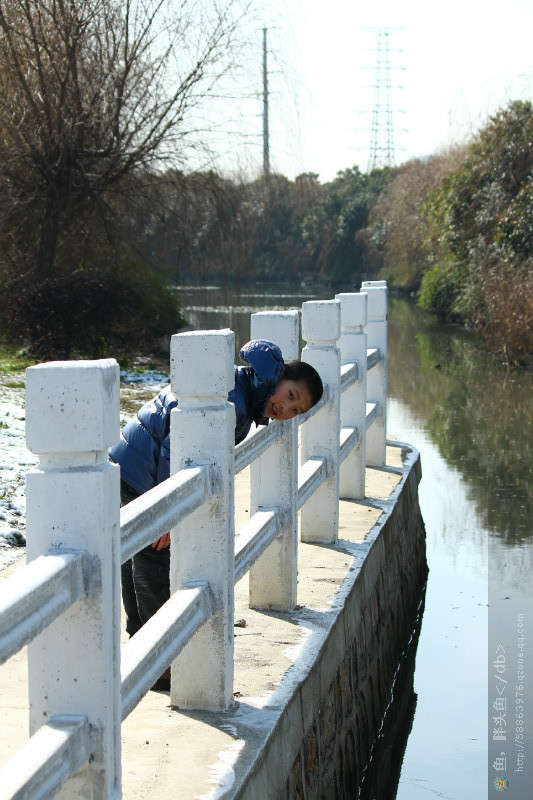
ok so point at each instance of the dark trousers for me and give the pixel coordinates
(145, 578)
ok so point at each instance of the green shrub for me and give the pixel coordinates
(438, 290)
(516, 225)
(92, 313)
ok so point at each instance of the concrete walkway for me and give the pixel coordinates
(170, 754)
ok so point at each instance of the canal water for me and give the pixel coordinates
(468, 724)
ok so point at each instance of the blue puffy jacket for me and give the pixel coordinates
(144, 448)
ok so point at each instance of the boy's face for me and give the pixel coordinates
(289, 399)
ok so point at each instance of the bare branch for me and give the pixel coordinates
(93, 90)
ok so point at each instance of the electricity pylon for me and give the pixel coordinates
(382, 145)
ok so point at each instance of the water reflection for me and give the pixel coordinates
(479, 414)
(215, 307)
(389, 747)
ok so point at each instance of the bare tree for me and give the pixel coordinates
(92, 91)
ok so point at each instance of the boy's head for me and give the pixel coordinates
(298, 390)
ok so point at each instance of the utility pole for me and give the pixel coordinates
(266, 146)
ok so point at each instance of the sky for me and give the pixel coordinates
(457, 62)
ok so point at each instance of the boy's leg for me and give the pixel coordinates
(133, 621)
(145, 578)
(151, 580)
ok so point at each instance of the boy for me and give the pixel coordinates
(267, 389)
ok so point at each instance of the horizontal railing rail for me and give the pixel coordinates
(349, 438)
(371, 413)
(155, 512)
(78, 535)
(49, 758)
(256, 444)
(349, 375)
(152, 649)
(373, 357)
(253, 538)
(311, 476)
(37, 595)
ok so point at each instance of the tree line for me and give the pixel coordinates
(98, 217)
(457, 229)
(203, 225)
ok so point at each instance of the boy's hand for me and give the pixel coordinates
(162, 542)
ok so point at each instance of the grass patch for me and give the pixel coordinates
(13, 359)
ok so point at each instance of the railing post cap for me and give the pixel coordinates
(377, 299)
(353, 309)
(289, 313)
(280, 327)
(201, 363)
(72, 406)
(321, 320)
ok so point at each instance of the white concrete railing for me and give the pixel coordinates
(66, 603)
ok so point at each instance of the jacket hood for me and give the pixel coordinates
(265, 359)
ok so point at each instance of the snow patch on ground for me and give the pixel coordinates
(15, 461)
(222, 773)
(146, 378)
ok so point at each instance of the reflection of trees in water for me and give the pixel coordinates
(380, 778)
(230, 306)
(479, 414)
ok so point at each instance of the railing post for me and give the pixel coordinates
(73, 503)
(352, 345)
(376, 330)
(274, 482)
(320, 435)
(202, 431)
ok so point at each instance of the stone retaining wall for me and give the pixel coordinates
(322, 741)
